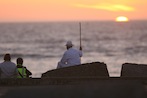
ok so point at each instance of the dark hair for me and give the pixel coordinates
(7, 57)
(19, 61)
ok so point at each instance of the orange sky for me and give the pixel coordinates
(61, 10)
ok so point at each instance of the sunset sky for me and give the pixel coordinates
(71, 10)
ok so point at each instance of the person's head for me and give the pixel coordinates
(19, 61)
(69, 44)
(7, 57)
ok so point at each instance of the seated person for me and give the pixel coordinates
(71, 56)
(7, 68)
(23, 72)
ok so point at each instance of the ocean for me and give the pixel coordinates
(42, 44)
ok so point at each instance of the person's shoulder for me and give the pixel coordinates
(66, 51)
(2, 64)
(74, 49)
(12, 63)
(71, 49)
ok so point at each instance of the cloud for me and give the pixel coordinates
(108, 7)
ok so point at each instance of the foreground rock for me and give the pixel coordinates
(134, 70)
(97, 89)
(95, 69)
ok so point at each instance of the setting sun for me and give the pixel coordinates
(122, 19)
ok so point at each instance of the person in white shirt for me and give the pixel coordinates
(7, 68)
(71, 57)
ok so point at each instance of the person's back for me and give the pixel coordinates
(73, 57)
(7, 68)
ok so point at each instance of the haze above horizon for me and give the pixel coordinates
(71, 10)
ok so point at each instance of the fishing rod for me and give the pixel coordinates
(80, 36)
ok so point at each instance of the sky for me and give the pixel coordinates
(71, 10)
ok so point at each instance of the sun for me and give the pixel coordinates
(121, 19)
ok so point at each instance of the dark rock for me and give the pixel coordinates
(134, 70)
(95, 69)
(99, 89)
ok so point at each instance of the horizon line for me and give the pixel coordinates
(37, 21)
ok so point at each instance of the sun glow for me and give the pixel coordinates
(122, 19)
(108, 7)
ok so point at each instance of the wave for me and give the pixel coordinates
(30, 56)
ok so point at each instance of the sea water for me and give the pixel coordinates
(42, 44)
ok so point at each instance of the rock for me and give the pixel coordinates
(95, 69)
(134, 70)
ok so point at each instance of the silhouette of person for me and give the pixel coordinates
(23, 72)
(7, 68)
(71, 57)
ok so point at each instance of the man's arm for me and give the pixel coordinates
(80, 48)
(80, 53)
(28, 72)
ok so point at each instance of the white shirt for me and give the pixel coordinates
(8, 69)
(71, 57)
